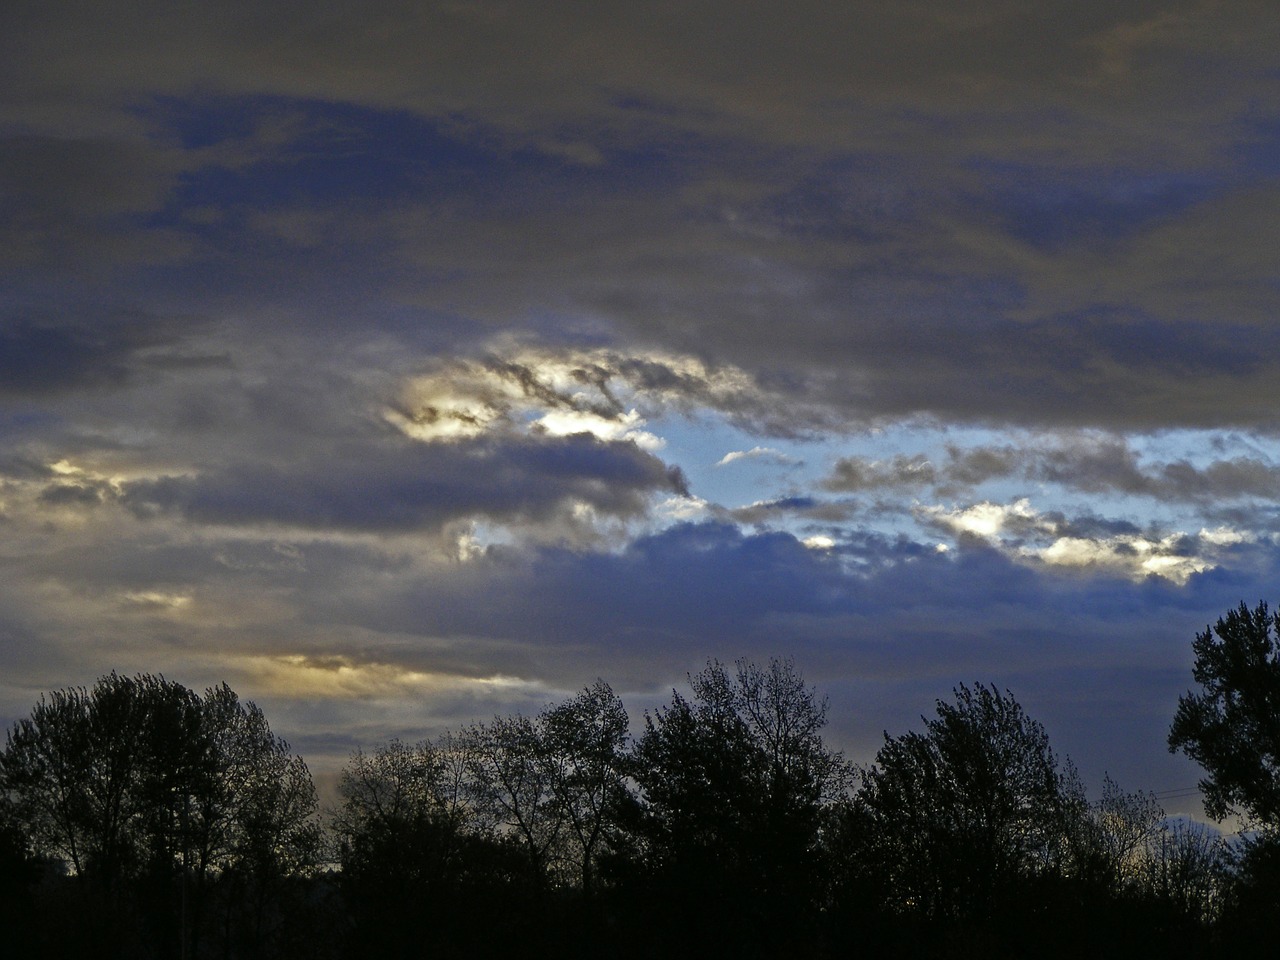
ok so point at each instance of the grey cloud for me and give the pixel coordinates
(56, 179)
(37, 359)
(1099, 528)
(804, 508)
(1222, 479)
(866, 220)
(417, 486)
(617, 61)
(45, 357)
(972, 467)
(74, 494)
(1088, 464)
(19, 467)
(961, 468)
(906, 617)
(75, 201)
(859, 473)
(1111, 466)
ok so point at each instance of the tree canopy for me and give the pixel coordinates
(140, 783)
(971, 806)
(169, 822)
(1232, 726)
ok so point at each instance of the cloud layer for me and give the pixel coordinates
(408, 363)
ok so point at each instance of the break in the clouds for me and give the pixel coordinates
(408, 363)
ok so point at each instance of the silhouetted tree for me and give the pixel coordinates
(582, 744)
(510, 786)
(1250, 913)
(401, 849)
(732, 786)
(1187, 868)
(958, 825)
(1111, 845)
(1232, 727)
(20, 872)
(146, 790)
(425, 873)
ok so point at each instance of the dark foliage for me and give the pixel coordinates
(167, 823)
(1232, 727)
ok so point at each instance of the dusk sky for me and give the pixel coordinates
(407, 363)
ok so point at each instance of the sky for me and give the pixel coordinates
(407, 363)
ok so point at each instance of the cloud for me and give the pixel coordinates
(43, 359)
(937, 241)
(1084, 462)
(68, 200)
(784, 508)
(1009, 272)
(879, 616)
(1134, 556)
(756, 453)
(1091, 544)
(340, 677)
(409, 486)
(606, 392)
(859, 473)
(990, 520)
(1110, 466)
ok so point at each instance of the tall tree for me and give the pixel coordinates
(733, 784)
(404, 853)
(509, 784)
(964, 813)
(582, 743)
(1232, 726)
(141, 782)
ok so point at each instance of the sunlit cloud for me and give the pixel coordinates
(1226, 536)
(755, 453)
(610, 394)
(157, 599)
(682, 509)
(818, 542)
(988, 519)
(1135, 557)
(626, 426)
(1024, 533)
(339, 677)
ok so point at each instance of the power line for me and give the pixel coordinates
(1176, 793)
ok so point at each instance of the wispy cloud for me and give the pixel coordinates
(768, 454)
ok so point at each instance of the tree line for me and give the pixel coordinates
(140, 819)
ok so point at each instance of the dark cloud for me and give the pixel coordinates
(417, 486)
(892, 619)
(804, 508)
(40, 359)
(43, 358)
(980, 464)
(980, 218)
(78, 201)
(74, 494)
